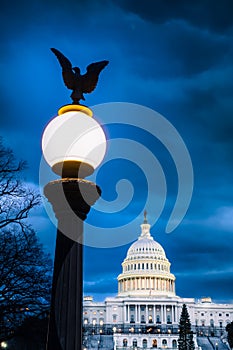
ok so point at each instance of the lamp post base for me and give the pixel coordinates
(71, 200)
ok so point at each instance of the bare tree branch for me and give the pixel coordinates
(25, 270)
(25, 278)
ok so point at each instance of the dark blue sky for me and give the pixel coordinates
(175, 57)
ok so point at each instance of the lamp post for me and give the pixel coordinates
(73, 144)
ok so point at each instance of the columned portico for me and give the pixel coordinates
(149, 312)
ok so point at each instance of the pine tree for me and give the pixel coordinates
(185, 340)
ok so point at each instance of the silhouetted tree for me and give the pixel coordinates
(25, 279)
(229, 329)
(185, 340)
(25, 270)
(16, 198)
(32, 334)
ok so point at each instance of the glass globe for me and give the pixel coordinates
(73, 143)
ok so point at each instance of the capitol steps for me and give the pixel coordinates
(204, 343)
(103, 342)
(209, 343)
(217, 344)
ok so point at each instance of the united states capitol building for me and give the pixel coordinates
(146, 311)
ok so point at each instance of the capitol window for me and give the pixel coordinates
(125, 342)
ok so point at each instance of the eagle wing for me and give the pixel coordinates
(90, 78)
(67, 72)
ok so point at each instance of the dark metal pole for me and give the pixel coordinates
(71, 200)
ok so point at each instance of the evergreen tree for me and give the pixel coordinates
(185, 340)
(229, 329)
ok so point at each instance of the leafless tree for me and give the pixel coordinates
(25, 278)
(25, 269)
(16, 198)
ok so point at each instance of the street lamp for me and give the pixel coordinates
(73, 144)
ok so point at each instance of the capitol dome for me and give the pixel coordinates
(146, 269)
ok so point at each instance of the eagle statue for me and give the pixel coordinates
(75, 81)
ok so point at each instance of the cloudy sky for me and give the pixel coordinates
(173, 57)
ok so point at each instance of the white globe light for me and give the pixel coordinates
(73, 143)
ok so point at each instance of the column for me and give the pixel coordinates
(154, 319)
(177, 315)
(146, 313)
(161, 308)
(128, 314)
(124, 317)
(131, 284)
(172, 320)
(66, 311)
(165, 314)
